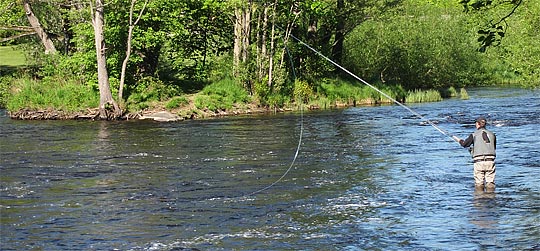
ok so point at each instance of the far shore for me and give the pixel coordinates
(165, 115)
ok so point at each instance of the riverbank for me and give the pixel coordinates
(161, 115)
(57, 99)
(189, 110)
(165, 115)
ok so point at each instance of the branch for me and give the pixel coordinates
(92, 13)
(16, 28)
(128, 47)
(140, 13)
(17, 36)
(516, 5)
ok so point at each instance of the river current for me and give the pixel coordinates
(365, 178)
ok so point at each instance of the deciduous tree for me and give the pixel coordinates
(108, 108)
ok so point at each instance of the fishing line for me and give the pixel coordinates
(299, 138)
(444, 132)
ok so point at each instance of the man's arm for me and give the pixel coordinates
(467, 142)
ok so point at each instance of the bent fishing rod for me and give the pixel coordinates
(444, 132)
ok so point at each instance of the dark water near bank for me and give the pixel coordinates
(366, 178)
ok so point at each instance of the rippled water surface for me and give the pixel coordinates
(366, 178)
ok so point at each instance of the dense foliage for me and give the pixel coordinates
(183, 47)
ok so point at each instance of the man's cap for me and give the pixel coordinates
(481, 119)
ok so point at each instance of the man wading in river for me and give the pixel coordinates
(483, 153)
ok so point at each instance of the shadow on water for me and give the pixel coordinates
(367, 178)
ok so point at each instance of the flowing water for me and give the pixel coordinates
(366, 178)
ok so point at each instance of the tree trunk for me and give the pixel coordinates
(288, 32)
(242, 32)
(237, 40)
(246, 24)
(128, 47)
(36, 25)
(272, 47)
(108, 108)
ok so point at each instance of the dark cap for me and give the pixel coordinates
(481, 120)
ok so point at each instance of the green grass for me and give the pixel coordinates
(176, 102)
(11, 56)
(419, 96)
(52, 94)
(221, 95)
(341, 91)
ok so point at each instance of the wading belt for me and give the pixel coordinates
(484, 158)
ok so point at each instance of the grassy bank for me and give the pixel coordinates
(11, 60)
(223, 97)
(11, 56)
(51, 94)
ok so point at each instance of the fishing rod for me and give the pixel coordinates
(444, 132)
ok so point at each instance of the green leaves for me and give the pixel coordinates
(424, 47)
(476, 5)
(492, 32)
(490, 37)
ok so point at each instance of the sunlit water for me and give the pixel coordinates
(366, 178)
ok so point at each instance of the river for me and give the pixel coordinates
(366, 178)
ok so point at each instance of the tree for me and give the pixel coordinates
(14, 26)
(128, 47)
(36, 25)
(108, 108)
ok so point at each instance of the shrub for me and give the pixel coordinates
(422, 47)
(276, 100)
(206, 101)
(302, 91)
(5, 84)
(463, 94)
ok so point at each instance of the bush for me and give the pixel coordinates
(422, 47)
(276, 100)
(211, 103)
(5, 85)
(449, 92)
(302, 91)
(463, 94)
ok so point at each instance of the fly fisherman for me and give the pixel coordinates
(484, 143)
